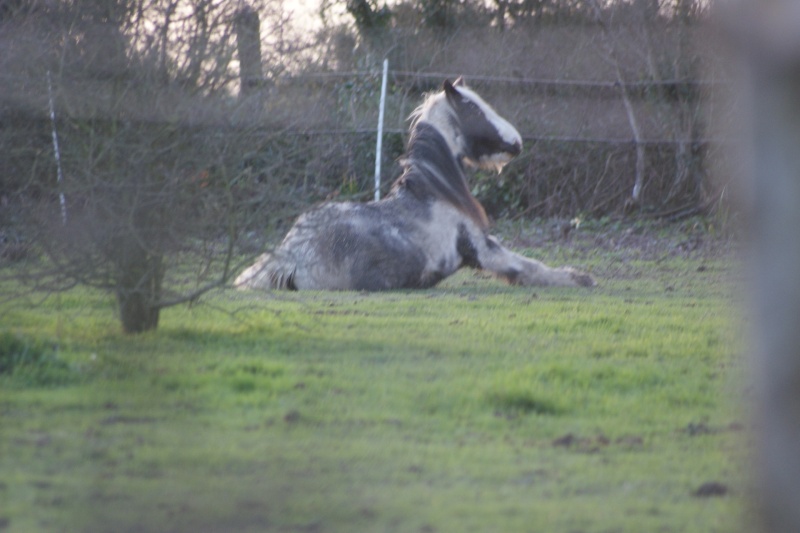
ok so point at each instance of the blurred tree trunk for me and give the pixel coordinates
(141, 273)
(768, 32)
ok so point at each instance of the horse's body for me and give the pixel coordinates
(428, 227)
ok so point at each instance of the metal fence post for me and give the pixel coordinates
(379, 145)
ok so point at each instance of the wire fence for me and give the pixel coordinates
(560, 172)
(598, 89)
(437, 77)
(422, 81)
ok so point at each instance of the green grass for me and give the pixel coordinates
(470, 407)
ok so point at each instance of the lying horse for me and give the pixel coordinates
(428, 226)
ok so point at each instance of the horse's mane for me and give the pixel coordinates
(432, 100)
(422, 111)
(431, 168)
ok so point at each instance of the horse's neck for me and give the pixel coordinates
(427, 145)
(432, 166)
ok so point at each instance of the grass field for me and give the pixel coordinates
(469, 407)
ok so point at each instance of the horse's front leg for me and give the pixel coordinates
(519, 270)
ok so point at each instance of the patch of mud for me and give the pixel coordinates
(597, 442)
(711, 489)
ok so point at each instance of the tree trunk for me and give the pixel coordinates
(636, 194)
(139, 287)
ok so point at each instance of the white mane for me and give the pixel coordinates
(437, 112)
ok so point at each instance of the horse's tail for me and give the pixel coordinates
(267, 273)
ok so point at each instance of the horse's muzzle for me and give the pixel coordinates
(514, 149)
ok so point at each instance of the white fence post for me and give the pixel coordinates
(379, 145)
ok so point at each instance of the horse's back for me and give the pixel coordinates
(365, 247)
(344, 246)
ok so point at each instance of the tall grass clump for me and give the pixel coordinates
(31, 362)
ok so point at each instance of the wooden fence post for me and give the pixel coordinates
(248, 41)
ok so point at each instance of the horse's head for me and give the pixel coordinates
(474, 131)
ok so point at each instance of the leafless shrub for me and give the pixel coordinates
(164, 167)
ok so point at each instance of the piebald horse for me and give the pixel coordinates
(426, 228)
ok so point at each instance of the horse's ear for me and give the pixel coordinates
(449, 89)
(459, 82)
